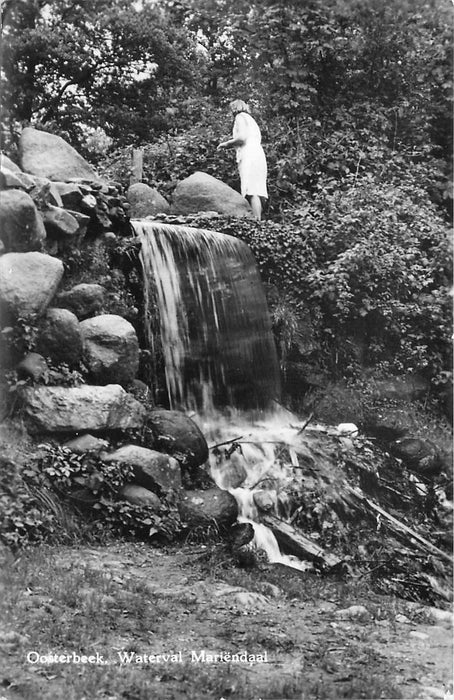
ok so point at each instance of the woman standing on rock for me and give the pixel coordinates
(250, 157)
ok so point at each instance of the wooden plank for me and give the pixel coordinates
(136, 166)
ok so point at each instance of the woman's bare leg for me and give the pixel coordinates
(256, 206)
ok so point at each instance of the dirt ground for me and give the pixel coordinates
(189, 605)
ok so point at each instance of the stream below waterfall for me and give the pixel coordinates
(258, 461)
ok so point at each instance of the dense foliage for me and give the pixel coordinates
(44, 500)
(354, 99)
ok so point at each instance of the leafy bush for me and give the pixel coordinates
(372, 263)
(60, 485)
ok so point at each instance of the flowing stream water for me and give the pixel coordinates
(220, 357)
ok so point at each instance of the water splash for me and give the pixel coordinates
(215, 327)
(264, 455)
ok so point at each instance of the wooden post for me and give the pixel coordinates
(136, 166)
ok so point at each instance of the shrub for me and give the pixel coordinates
(59, 486)
(372, 263)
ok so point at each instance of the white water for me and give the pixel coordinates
(214, 323)
(258, 453)
(218, 349)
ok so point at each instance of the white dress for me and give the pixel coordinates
(250, 156)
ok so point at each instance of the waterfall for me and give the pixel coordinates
(215, 327)
(218, 349)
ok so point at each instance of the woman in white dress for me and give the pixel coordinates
(250, 157)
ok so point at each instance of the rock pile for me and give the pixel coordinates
(77, 362)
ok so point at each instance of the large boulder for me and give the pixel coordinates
(62, 409)
(422, 456)
(388, 423)
(203, 192)
(28, 282)
(21, 227)
(60, 337)
(213, 506)
(84, 300)
(145, 201)
(47, 155)
(177, 435)
(111, 349)
(152, 470)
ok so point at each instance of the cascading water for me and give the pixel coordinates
(215, 327)
(217, 343)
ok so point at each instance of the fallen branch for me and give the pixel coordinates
(297, 543)
(227, 442)
(305, 424)
(398, 527)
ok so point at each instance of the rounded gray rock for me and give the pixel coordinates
(139, 496)
(60, 337)
(21, 227)
(177, 435)
(145, 201)
(28, 282)
(152, 470)
(84, 300)
(200, 508)
(63, 409)
(203, 192)
(111, 349)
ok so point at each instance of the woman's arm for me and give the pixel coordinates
(231, 143)
(239, 133)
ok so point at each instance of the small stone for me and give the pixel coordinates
(109, 238)
(403, 619)
(443, 616)
(347, 429)
(70, 194)
(418, 635)
(140, 496)
(354, 612)
(271, 590)
(87, 443)
(32, 366)
(59, 222)
(6, 162)
(89, 202)
(265, 500)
